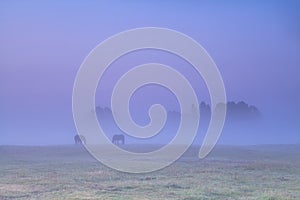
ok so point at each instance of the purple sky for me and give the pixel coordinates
(255, 45)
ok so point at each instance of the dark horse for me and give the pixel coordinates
(118, 139)
(79, 139)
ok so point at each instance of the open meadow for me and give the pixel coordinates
(266, 172)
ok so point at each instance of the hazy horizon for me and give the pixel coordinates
(255, 45)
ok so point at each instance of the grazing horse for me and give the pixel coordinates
(79, 139)
(118, 139)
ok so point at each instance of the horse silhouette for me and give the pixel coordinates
(118, 139)
(79, 139)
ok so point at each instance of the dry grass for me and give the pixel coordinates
(68, 172)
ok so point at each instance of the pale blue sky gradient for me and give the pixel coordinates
(42, 44)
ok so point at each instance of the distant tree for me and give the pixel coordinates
(242, 110)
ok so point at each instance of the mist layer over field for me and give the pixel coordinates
(255, 46)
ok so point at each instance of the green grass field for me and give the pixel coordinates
(267, 172)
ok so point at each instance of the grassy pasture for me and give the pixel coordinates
(266, 172)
